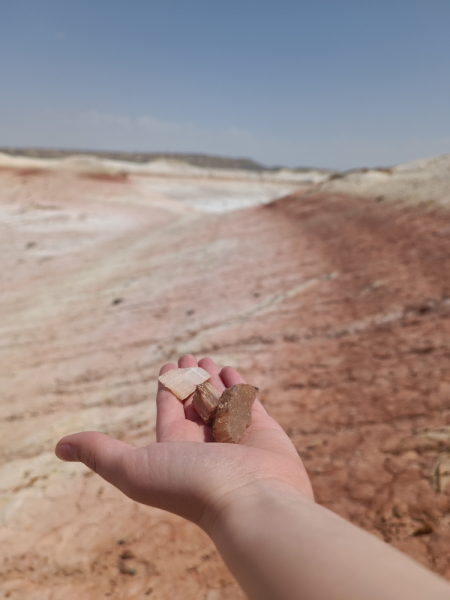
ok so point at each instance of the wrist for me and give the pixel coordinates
(249, 504)
(276, 540)
(252, 533)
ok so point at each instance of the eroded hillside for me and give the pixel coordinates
(337, 307)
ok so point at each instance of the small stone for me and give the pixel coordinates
(206, 400)
(125, 569)
(440, 435)
(441, 472)
(234, 413)
(424, 529)
(400, 510)
(182, 382)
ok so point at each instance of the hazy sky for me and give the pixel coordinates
(301, 83)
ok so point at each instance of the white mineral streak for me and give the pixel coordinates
(182, 382)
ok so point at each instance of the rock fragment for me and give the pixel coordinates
(441, 435)
(234, 413)
(206, 400)
(182, 382)
(441, 472)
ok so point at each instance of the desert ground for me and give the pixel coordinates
(329, 291)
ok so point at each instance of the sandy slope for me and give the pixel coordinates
(208, 190)
(337, 308)
(426, 180)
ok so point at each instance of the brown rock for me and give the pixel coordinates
(424, 529)
(206, 400)
(234, 413)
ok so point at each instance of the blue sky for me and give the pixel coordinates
(324, 83)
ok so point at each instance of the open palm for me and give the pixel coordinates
(186, 472)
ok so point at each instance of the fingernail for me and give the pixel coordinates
(66, 452)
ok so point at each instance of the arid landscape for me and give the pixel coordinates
(329, 291)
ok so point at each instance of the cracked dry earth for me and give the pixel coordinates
(337, 308)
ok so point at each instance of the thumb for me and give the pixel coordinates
(157, 475)
(99, 452)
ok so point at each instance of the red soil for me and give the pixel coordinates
(337, 308)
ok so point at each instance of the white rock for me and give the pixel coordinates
(182, 382)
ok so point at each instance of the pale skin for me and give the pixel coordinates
(254, 499)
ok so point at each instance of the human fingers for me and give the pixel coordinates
(151, 475)
(176, 477)
(188, 360)
(100, 453)
(215, 380)
(231, 377)
(169, 408)
(172, 423)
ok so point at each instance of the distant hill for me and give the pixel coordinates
(207, 161)
(198, 160)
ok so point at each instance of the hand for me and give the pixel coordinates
(186, 472)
